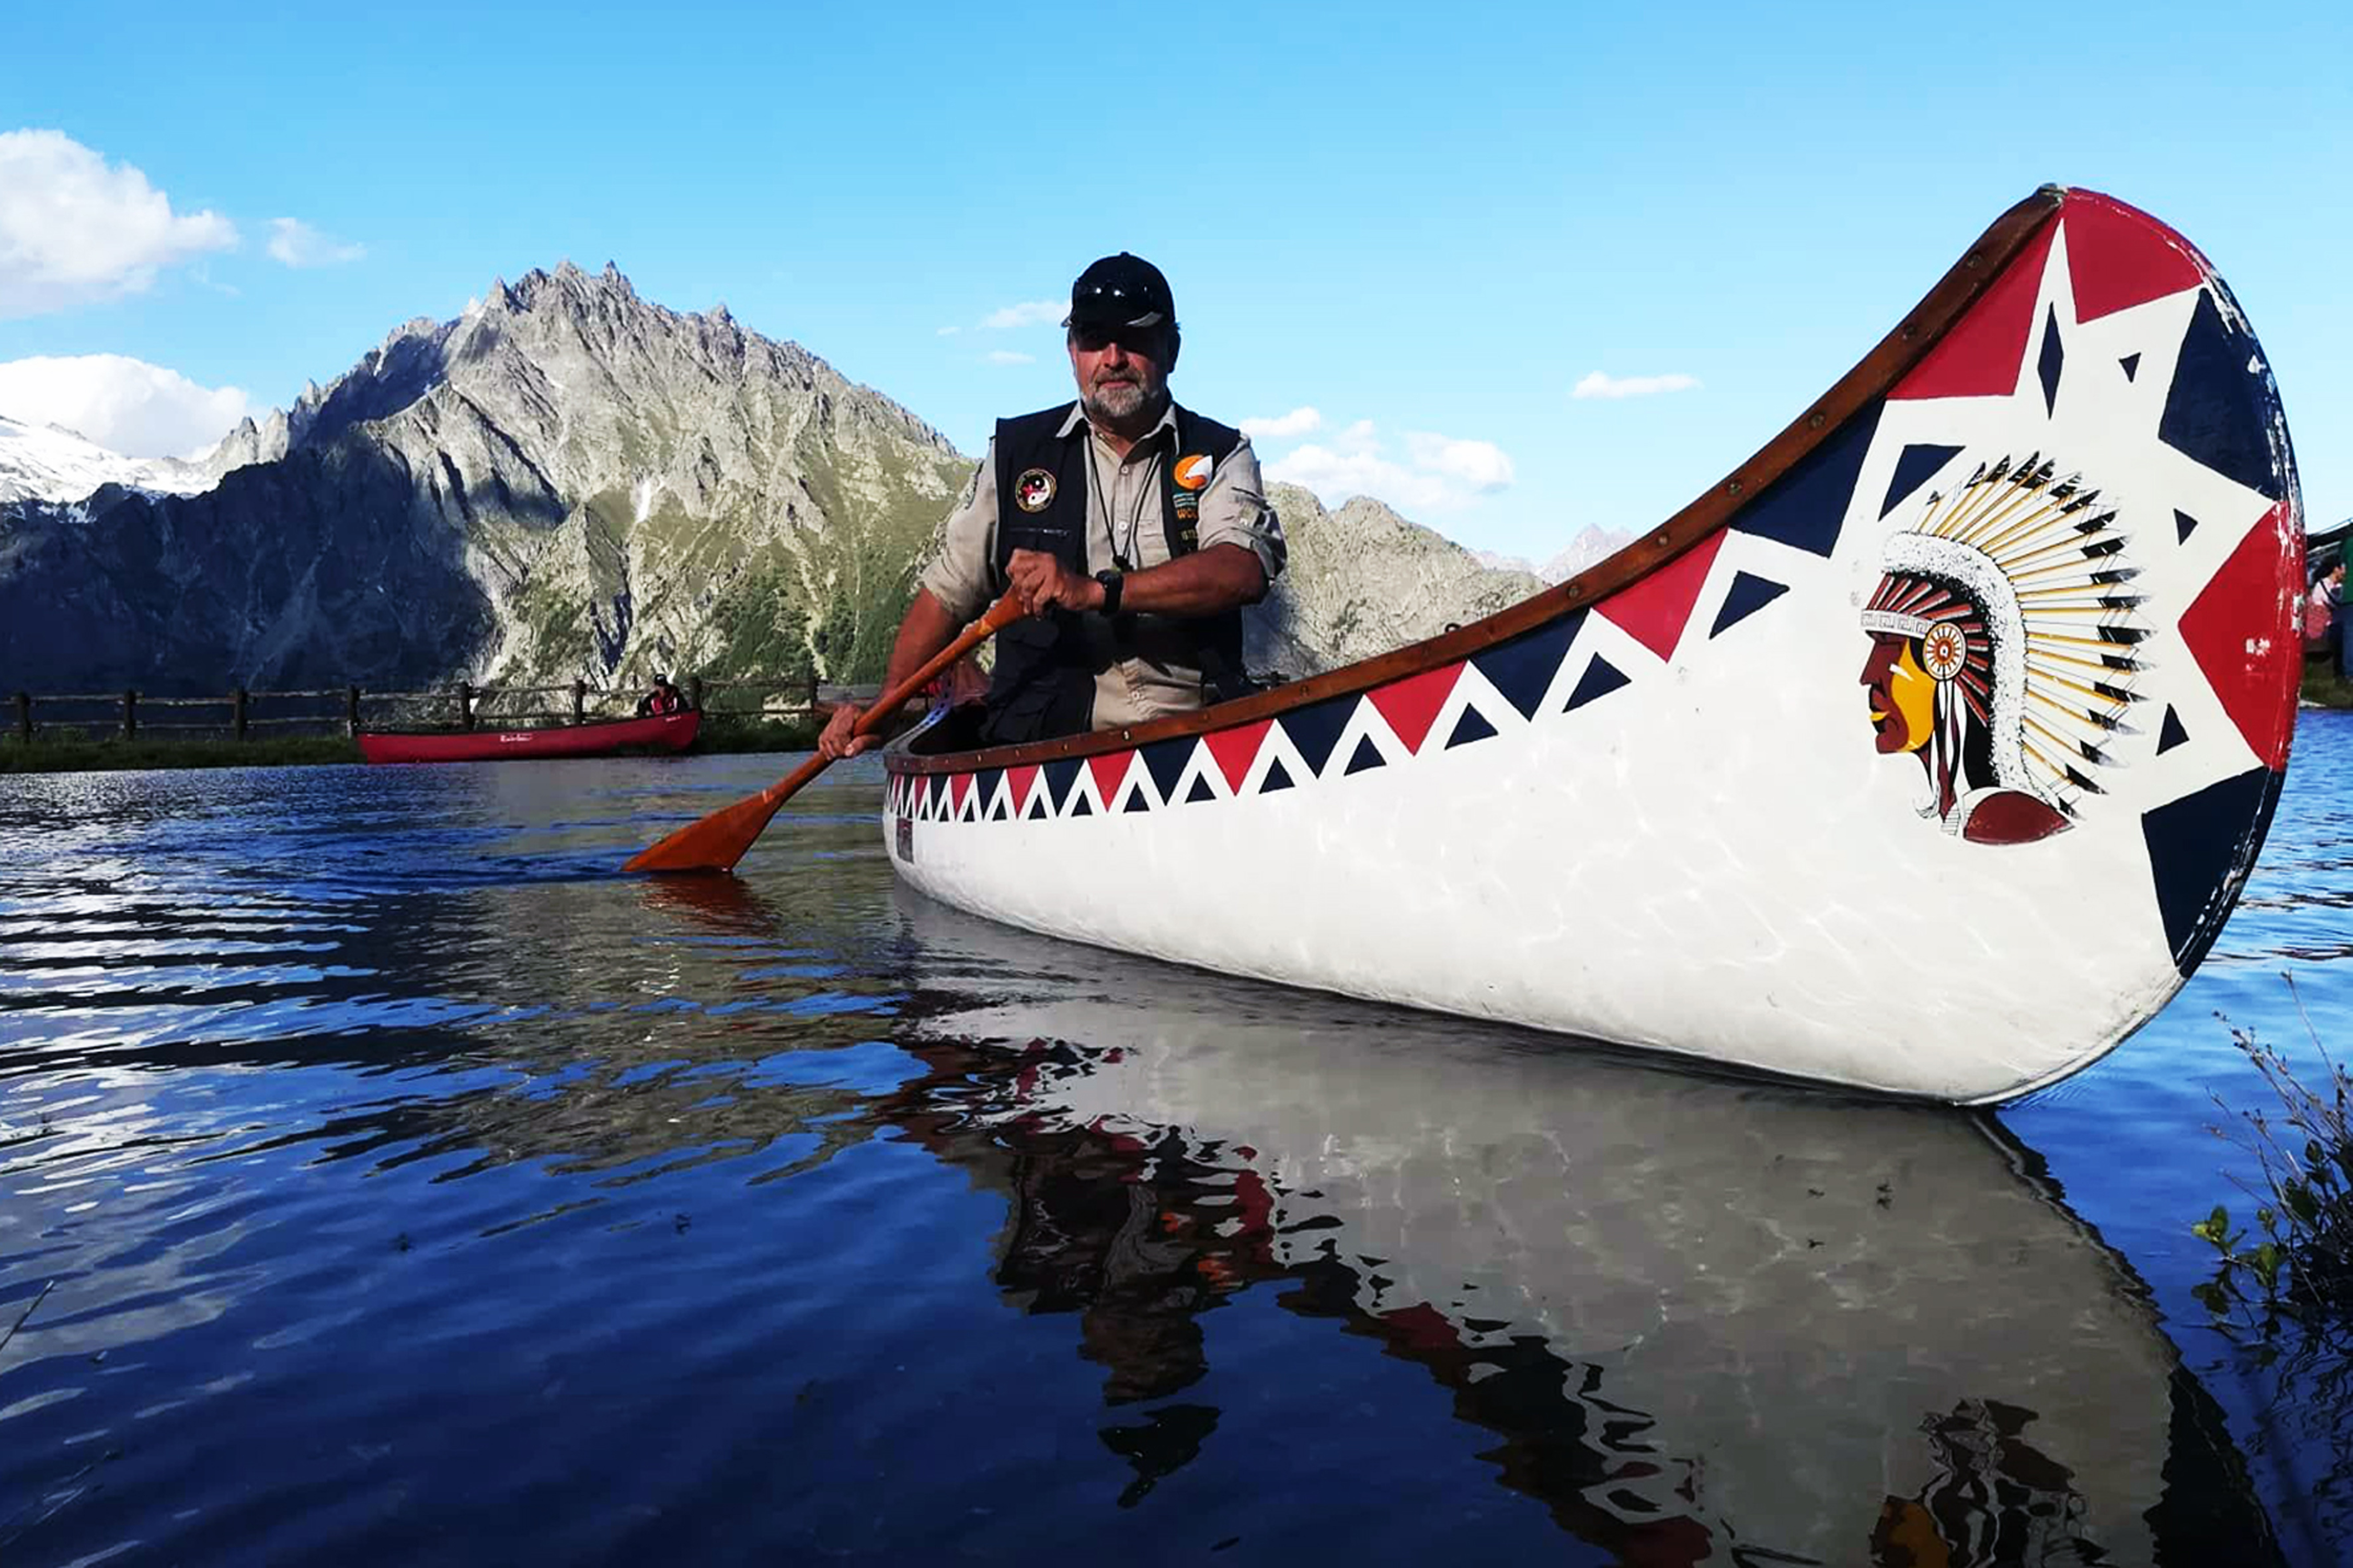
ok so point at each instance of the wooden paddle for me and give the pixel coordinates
(719, 841)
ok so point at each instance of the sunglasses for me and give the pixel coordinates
(1150, 341)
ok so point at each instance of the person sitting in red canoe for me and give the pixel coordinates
(664, 699)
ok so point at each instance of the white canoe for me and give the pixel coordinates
(1710, 1322)
(1925, 753)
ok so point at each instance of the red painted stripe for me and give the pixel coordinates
(1110, 772)
(2255, 672)
(1235, 750)
(2120, 256)
(1653, 610)
(1986, 350)
(1022, 782)
(1411, 705)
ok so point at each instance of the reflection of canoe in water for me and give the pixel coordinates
(1925, 754)
(1715, 1321)
(613, 737)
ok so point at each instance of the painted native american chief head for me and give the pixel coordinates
(2002, 646)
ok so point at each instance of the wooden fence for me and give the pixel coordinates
(240, 713)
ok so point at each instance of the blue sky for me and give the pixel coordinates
(1427, 224)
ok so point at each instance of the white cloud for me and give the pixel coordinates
(1599, 385)
(297, 244)
(128, 405)
(1482, 465)
(74, 229)
(1007, 356)
(1029, 313)
(1282, 427)
(1436, 473)
(949, 331)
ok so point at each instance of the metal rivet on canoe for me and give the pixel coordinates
(1815, 422)
(1732, 488)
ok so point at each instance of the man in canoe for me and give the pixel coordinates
(1132, 530)
(664, 699)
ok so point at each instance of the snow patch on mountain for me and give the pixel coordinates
(42, 462)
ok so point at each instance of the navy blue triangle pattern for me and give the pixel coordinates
(1367, 756)
(984, 785)
(2200, 849)
(1600, 678)
(1747, 595)
(1522, 668)
(1316, 729)
(2212, 414)
(1137, 801)
(1471, 726)
(1062, 778)
(2054, 357)
(2184, 525)
(1201, 789)
(1078, 806)
(1916, 466)
(2131, 363)
(2170, 734)
(1166, 761)
(1277, 777)
(1807, 506)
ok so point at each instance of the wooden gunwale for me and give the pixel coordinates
(1871, 378)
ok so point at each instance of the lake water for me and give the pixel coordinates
(407, 1188)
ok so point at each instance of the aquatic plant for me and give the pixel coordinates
(2302, 1267)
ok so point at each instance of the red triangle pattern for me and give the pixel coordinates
(1110, 772)
(1411, 705)
(1653, 610)
(1022, 782)
(2121, 257)
(1235, 750)
(957, 791)
(2256, 678)
(1985, 352)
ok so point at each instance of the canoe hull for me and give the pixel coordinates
(1933, 770)
(658, 732)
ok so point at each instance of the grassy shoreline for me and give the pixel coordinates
(78, 752)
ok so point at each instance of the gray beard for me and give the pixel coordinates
(1128, 410)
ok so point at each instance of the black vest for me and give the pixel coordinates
(1044, 683)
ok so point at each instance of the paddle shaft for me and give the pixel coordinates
(717, 841)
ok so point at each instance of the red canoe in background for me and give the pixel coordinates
(662, 733)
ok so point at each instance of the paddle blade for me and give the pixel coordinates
(714, 842)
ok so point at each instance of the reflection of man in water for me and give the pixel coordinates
(1996, 1500)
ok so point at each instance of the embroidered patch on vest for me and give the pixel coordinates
(1034, 490)
(1193, 472)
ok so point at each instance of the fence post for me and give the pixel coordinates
(130, 714)
(352, 709)
(465, 705)
(25, 716)
(579, 701)
(694, 692)
(236, 711)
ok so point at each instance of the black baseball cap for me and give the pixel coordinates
(1120, 291)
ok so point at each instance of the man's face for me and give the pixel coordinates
(1902, 696)
(1123, 372)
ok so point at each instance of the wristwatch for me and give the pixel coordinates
(1111, 582)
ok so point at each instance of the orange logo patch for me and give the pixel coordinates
(1193, 472)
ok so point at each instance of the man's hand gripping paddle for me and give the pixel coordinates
(719, 841)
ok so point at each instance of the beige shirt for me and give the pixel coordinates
(1149, 677)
